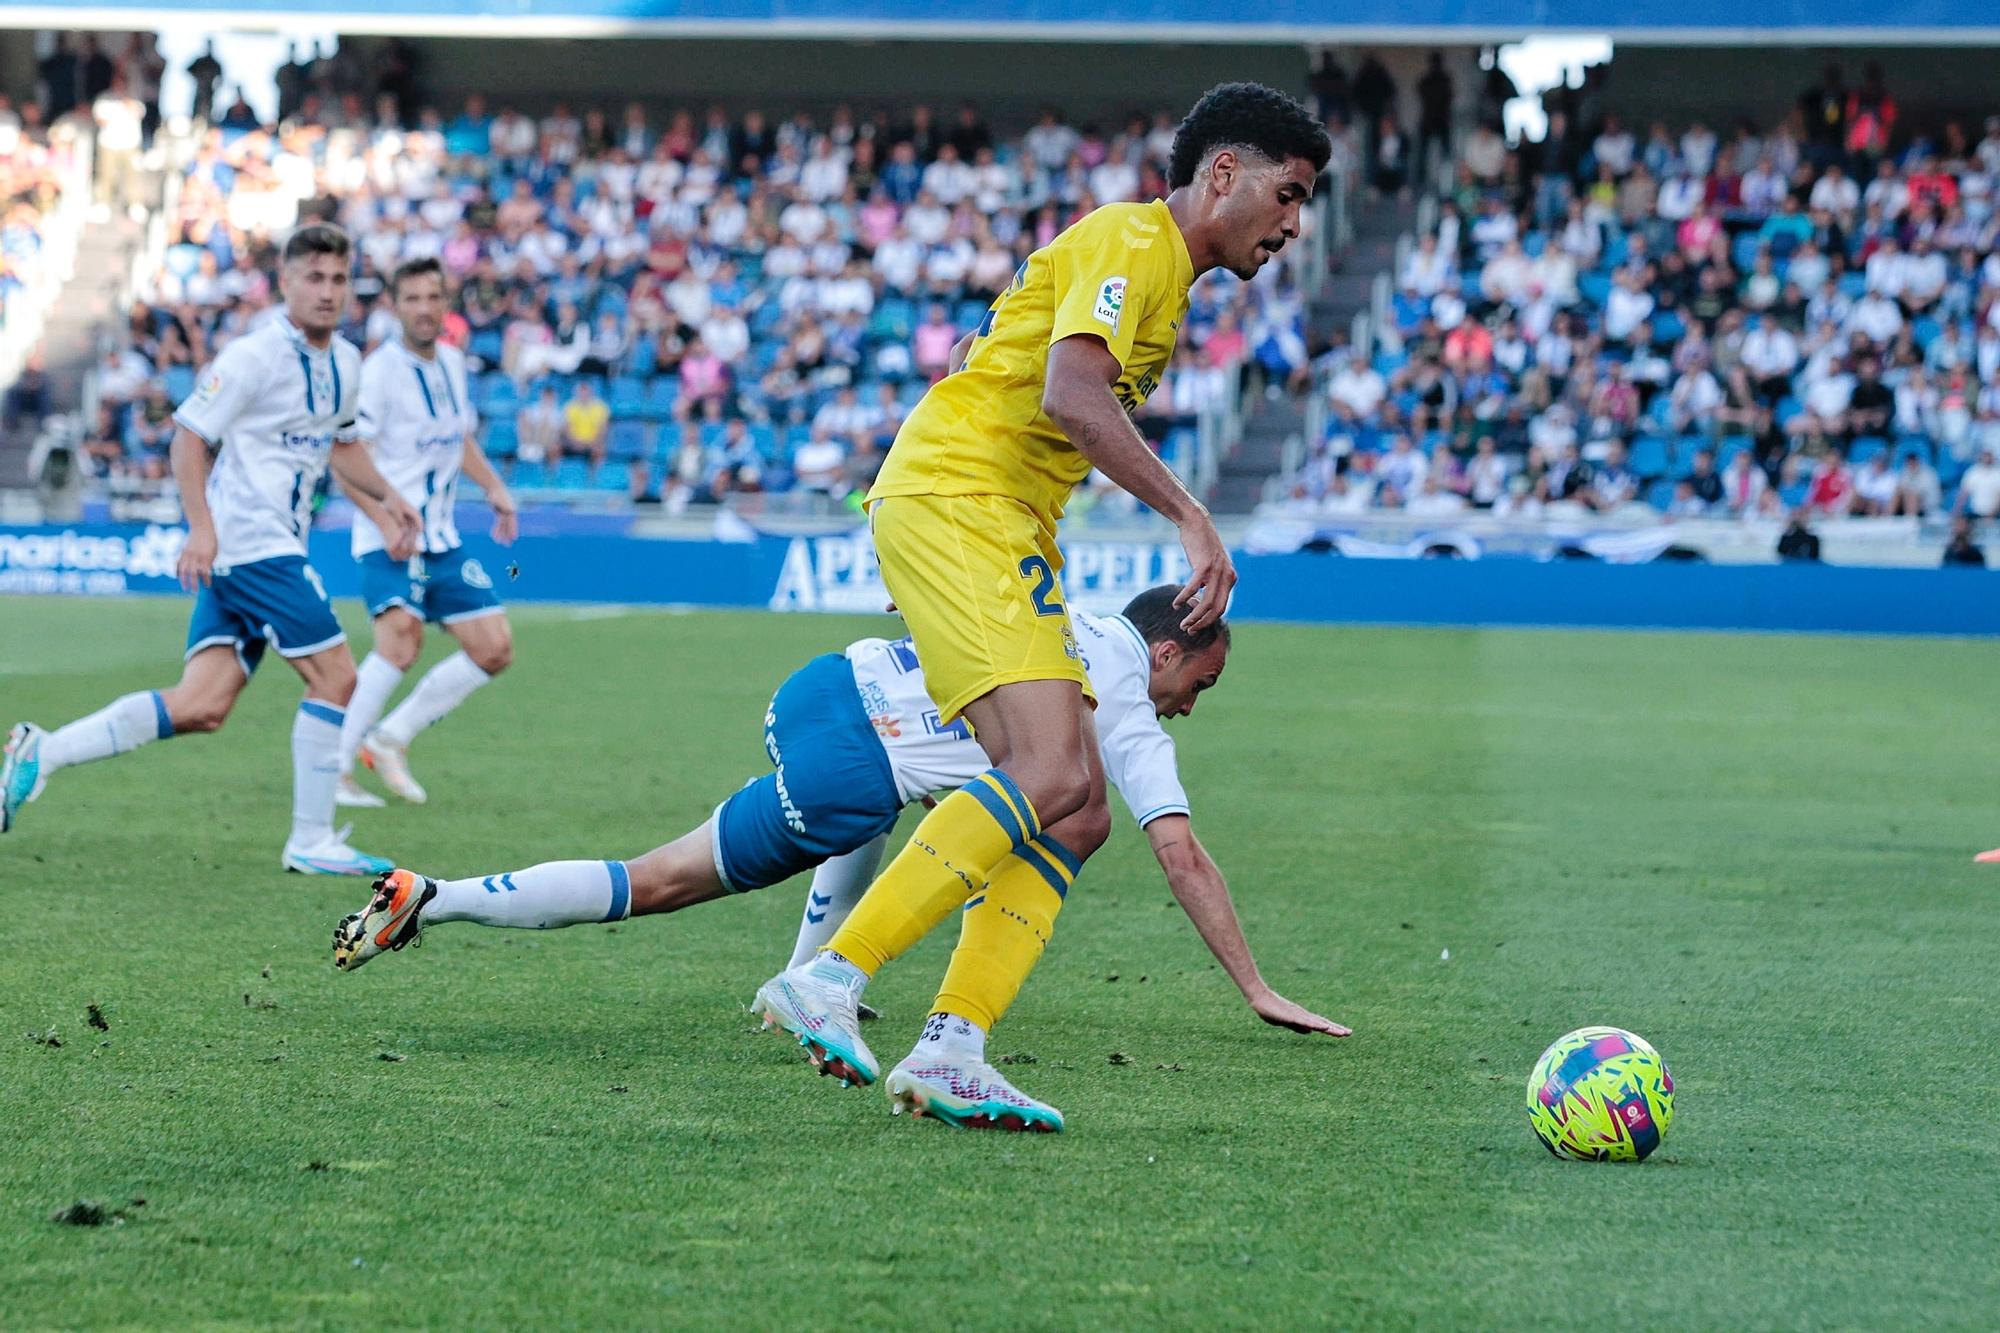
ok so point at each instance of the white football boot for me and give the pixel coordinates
(333, 857)
(821, 1012)
(391, 763)
(388, 922)
(966, 1094)
(21, 778)
(352, 793)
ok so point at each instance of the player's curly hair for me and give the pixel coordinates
(1158, 620)
(1246, 115)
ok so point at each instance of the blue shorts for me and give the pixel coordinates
(438, 588)
(279, 601)
(832, 792)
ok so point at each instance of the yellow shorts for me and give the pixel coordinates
(976, 580)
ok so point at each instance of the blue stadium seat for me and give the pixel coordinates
(1594, 287)
(1649, 457)
(502, 440)
(1731, 446)
(1865, 448)
(1743, 251)
(496, 396)
(1794, 495)
(529, 475)
(179, 381)
(1924, 331)
(573, 474)
(628, 438)
(1920, 445)
(662, 392)
(1660, 494)
(627, 396)
(486, 346)
(1854, 285)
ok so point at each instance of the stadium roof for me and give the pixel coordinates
(1661, 22)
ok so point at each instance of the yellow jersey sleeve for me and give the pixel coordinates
(1121, 274)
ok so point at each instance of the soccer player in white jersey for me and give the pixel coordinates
(418, 421)
(278, 405)
(854, 738)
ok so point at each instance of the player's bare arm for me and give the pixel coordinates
(358, 476)
(1198, 886)
(506, 516)
(1078, 397)
(189, 456)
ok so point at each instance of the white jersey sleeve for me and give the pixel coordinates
(416, 414)
(1139, 757)
(223, 392)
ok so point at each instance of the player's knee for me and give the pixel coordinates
(493, 656)
(1088, 829)
(398, 640)
(1057, 791)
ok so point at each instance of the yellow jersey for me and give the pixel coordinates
(1121, 274)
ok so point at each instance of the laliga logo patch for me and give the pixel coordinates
(474, 574)
(211, 384)
(1110, 307)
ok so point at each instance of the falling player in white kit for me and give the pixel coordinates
(854, 738)
(279, 406)
(418, 421)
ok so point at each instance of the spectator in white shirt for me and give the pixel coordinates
(1628, 306)
(823, 177)
(1743, 485)
(1400, 472)
(948, 179)
(1917, 489)
(820, 464)
(1432, 500)
(1507, 276)
(1877, 318)
(1924, 276)
(1357, 390)
(1823, 410)
(1886, 269)
(1614, 148)
(1427, 268)
(1771, 354)
(1835, 192)
(1698, 147)
(1874, 488)
(1979, 488)
(1681, 197)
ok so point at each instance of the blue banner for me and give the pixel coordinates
(1275, 21)
(838, 573)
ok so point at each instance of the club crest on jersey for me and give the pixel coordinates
(1110, 307)
(475, 575)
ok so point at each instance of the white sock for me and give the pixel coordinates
(315, 771)
(374, 682)
(951, 1035)
(543, 897)
(124, 724)
(836, 887)
(443, 688)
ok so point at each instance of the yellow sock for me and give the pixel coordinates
(1005, 930)
(945, 862)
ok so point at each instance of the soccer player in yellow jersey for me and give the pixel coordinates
(964, 517)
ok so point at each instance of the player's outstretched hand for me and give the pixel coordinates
(1207, 592)
(197, 559)
(506, 516)
(1278, 1011)
(409, 534)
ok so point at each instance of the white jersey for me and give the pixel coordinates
(415, 415)
(274, 405)
(926, 757)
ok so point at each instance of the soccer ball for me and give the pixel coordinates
(1601, 1095)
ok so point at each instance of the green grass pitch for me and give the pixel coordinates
(1754, 851)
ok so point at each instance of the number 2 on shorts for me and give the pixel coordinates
(1036, 568)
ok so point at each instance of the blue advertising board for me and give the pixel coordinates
(838, 573)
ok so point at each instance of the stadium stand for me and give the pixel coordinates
(1803, 316)
(756, 298)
